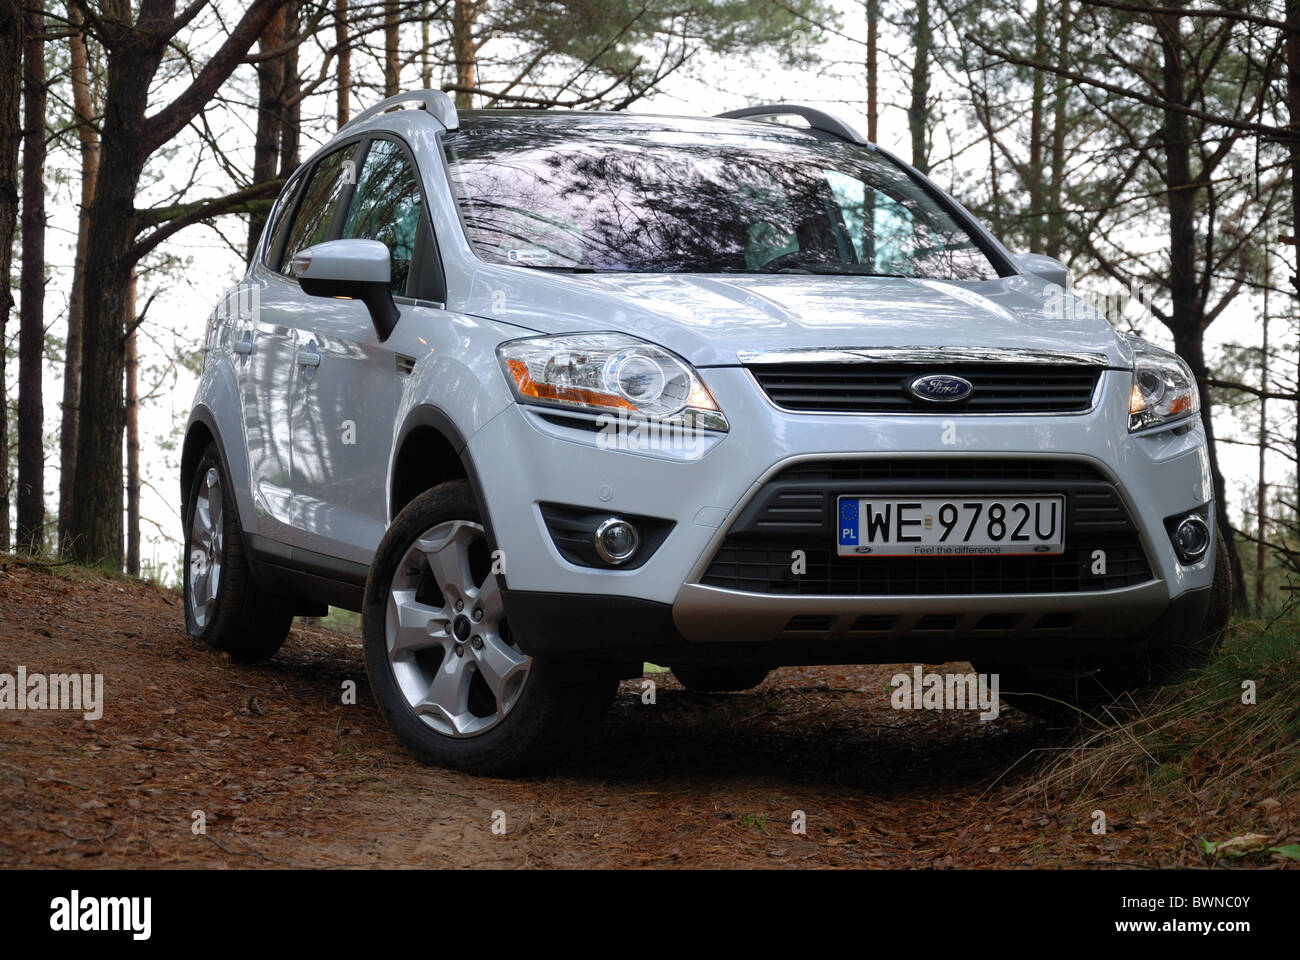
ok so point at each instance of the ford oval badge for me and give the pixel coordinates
(940, 388)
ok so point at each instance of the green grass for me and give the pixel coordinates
(343, 621)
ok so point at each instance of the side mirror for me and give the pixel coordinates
(350, 270)
(1044, 267)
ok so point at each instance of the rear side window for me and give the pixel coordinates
(389, 207)
(325, 189)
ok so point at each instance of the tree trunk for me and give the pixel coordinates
(873, 118)
(392, 57)
(30, 498)
(343, 66)
(129, 136)
(918, 111)
(291, 117)
(873, 70)
(1292, 16)
(464, 51)
(84, 109)
(96, 514)
(11, 38)
(1038, 94)
(1187, 314)
(426, 61)
(1261, 481)
(132, 435)
(1054, 242)
(270, 118)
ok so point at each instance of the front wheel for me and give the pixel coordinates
(444, 665)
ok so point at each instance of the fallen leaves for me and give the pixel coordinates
(285, 775)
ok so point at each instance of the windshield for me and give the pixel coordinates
(615, 195)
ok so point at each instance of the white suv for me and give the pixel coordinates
(547, 395)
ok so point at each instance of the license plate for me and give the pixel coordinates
(950, 526)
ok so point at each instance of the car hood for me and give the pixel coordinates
(711, 319)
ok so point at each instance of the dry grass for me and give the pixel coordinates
(1198, 744)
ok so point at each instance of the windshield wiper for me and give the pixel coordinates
(836, 269)
(560, 268)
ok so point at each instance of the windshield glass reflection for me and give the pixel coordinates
(620, 195)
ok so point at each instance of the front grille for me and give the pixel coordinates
(983, 470)
(795, 511)
(882, 387)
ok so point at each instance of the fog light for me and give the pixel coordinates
(1191, 539)
(616, 540)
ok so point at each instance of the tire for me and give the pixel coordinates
(1067, 694)
(495, 711)
(223, 606)
(720, 679)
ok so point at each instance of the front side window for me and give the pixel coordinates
(277, 226)
(388, 207)
(610, 195)
(320, 200)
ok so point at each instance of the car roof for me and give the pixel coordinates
(609, 121)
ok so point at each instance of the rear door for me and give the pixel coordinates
(349, 383)
(262, 356)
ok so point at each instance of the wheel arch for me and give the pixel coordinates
(201, 432)
(430, 449)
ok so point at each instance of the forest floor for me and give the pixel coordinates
(200, 761)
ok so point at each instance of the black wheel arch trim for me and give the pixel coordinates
(431, 416)
(201, 416)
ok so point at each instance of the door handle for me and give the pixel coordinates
(244, 345)
(309, 357)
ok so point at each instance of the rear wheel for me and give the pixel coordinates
(223, 606)
(1068, 693)
(444, 665)
(720, 679)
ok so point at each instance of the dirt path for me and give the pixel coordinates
(285, 774)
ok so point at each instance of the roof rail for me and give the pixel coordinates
(435, 102)
(817, 119)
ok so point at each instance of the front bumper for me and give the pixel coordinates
(584, 627)
(523, 459)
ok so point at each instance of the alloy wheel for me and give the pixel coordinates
(207, 532)
(448, 642)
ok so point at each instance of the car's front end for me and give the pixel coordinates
(736, 546)
(849, 431)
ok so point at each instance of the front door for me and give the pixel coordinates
(348, 383)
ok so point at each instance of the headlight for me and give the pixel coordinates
(610, 373)
(1164, 389)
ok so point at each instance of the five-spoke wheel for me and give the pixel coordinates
(449, 674)
(449, 646)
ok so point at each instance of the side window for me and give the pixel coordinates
(889, 237)
(320, 200)
(278, 225)
(388, 206)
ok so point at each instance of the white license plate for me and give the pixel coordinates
(950, 526)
